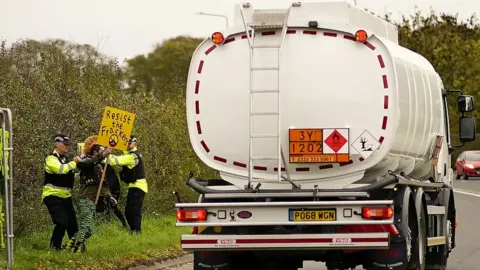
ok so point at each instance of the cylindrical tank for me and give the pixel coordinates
(380, 102)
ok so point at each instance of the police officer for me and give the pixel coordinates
(132, 172)
(56, 193)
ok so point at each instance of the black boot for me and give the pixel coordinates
(80, 247)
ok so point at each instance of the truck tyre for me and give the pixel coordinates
(419, 245)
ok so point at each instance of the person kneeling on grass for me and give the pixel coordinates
(90, 175)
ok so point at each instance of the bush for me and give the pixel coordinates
(55, 87)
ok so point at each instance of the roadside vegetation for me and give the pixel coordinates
(56, 86)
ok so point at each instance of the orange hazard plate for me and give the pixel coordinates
(319, 145)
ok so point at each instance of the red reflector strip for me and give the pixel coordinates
(229, 40)
(349, 38)
(329, 34)
(283, 241)
(268, 33)
(361, 159)
(260, 168)
(291, 31)
(309, 32)
(205, 146)
(210, 49)
(381, 139)
(385, 81)
(197, 87)
(220, 159)
(244, 36)
(243, 165)
(323, 167)
(380, 60)
(200, 67)
(369, 45)
(385, 102)
(302, 169)
(384, 124)
(276, 169)
(197, 107)
(199, 128)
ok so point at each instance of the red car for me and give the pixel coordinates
(468, 164)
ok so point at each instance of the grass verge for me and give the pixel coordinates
(111, 247)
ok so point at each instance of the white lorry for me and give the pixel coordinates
(358, 126)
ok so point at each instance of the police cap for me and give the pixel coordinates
(61, 138)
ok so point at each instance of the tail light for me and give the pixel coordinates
(377, 212)
(191, 214)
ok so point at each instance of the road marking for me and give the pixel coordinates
(461, 191)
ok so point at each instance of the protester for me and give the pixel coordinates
(91, 171)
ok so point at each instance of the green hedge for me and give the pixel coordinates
(50, 88)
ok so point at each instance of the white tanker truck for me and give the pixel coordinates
(332, 142)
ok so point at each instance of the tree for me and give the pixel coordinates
(167, 64)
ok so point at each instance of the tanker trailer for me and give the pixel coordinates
(331, 140)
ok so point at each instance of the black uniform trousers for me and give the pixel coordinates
(63, 217)
(133, 209)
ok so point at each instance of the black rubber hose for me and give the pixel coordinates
(390, 179)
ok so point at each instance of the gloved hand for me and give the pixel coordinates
(111, 200)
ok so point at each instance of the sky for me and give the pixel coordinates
(123, 29)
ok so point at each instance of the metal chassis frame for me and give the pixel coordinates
(6, 125)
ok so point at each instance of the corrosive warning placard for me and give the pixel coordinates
(319, 145)
(115, 128)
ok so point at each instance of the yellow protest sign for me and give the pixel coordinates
(115, 128)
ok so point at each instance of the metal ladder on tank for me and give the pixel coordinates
(266, 20)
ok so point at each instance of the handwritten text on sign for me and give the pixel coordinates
(116, 128)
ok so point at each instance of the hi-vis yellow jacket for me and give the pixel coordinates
(129, 161)
(59, 176)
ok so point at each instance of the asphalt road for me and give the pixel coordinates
(466, 255)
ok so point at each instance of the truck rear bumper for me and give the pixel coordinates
(285, 241)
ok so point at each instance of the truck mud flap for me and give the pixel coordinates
(212, 260)
(391, 259)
